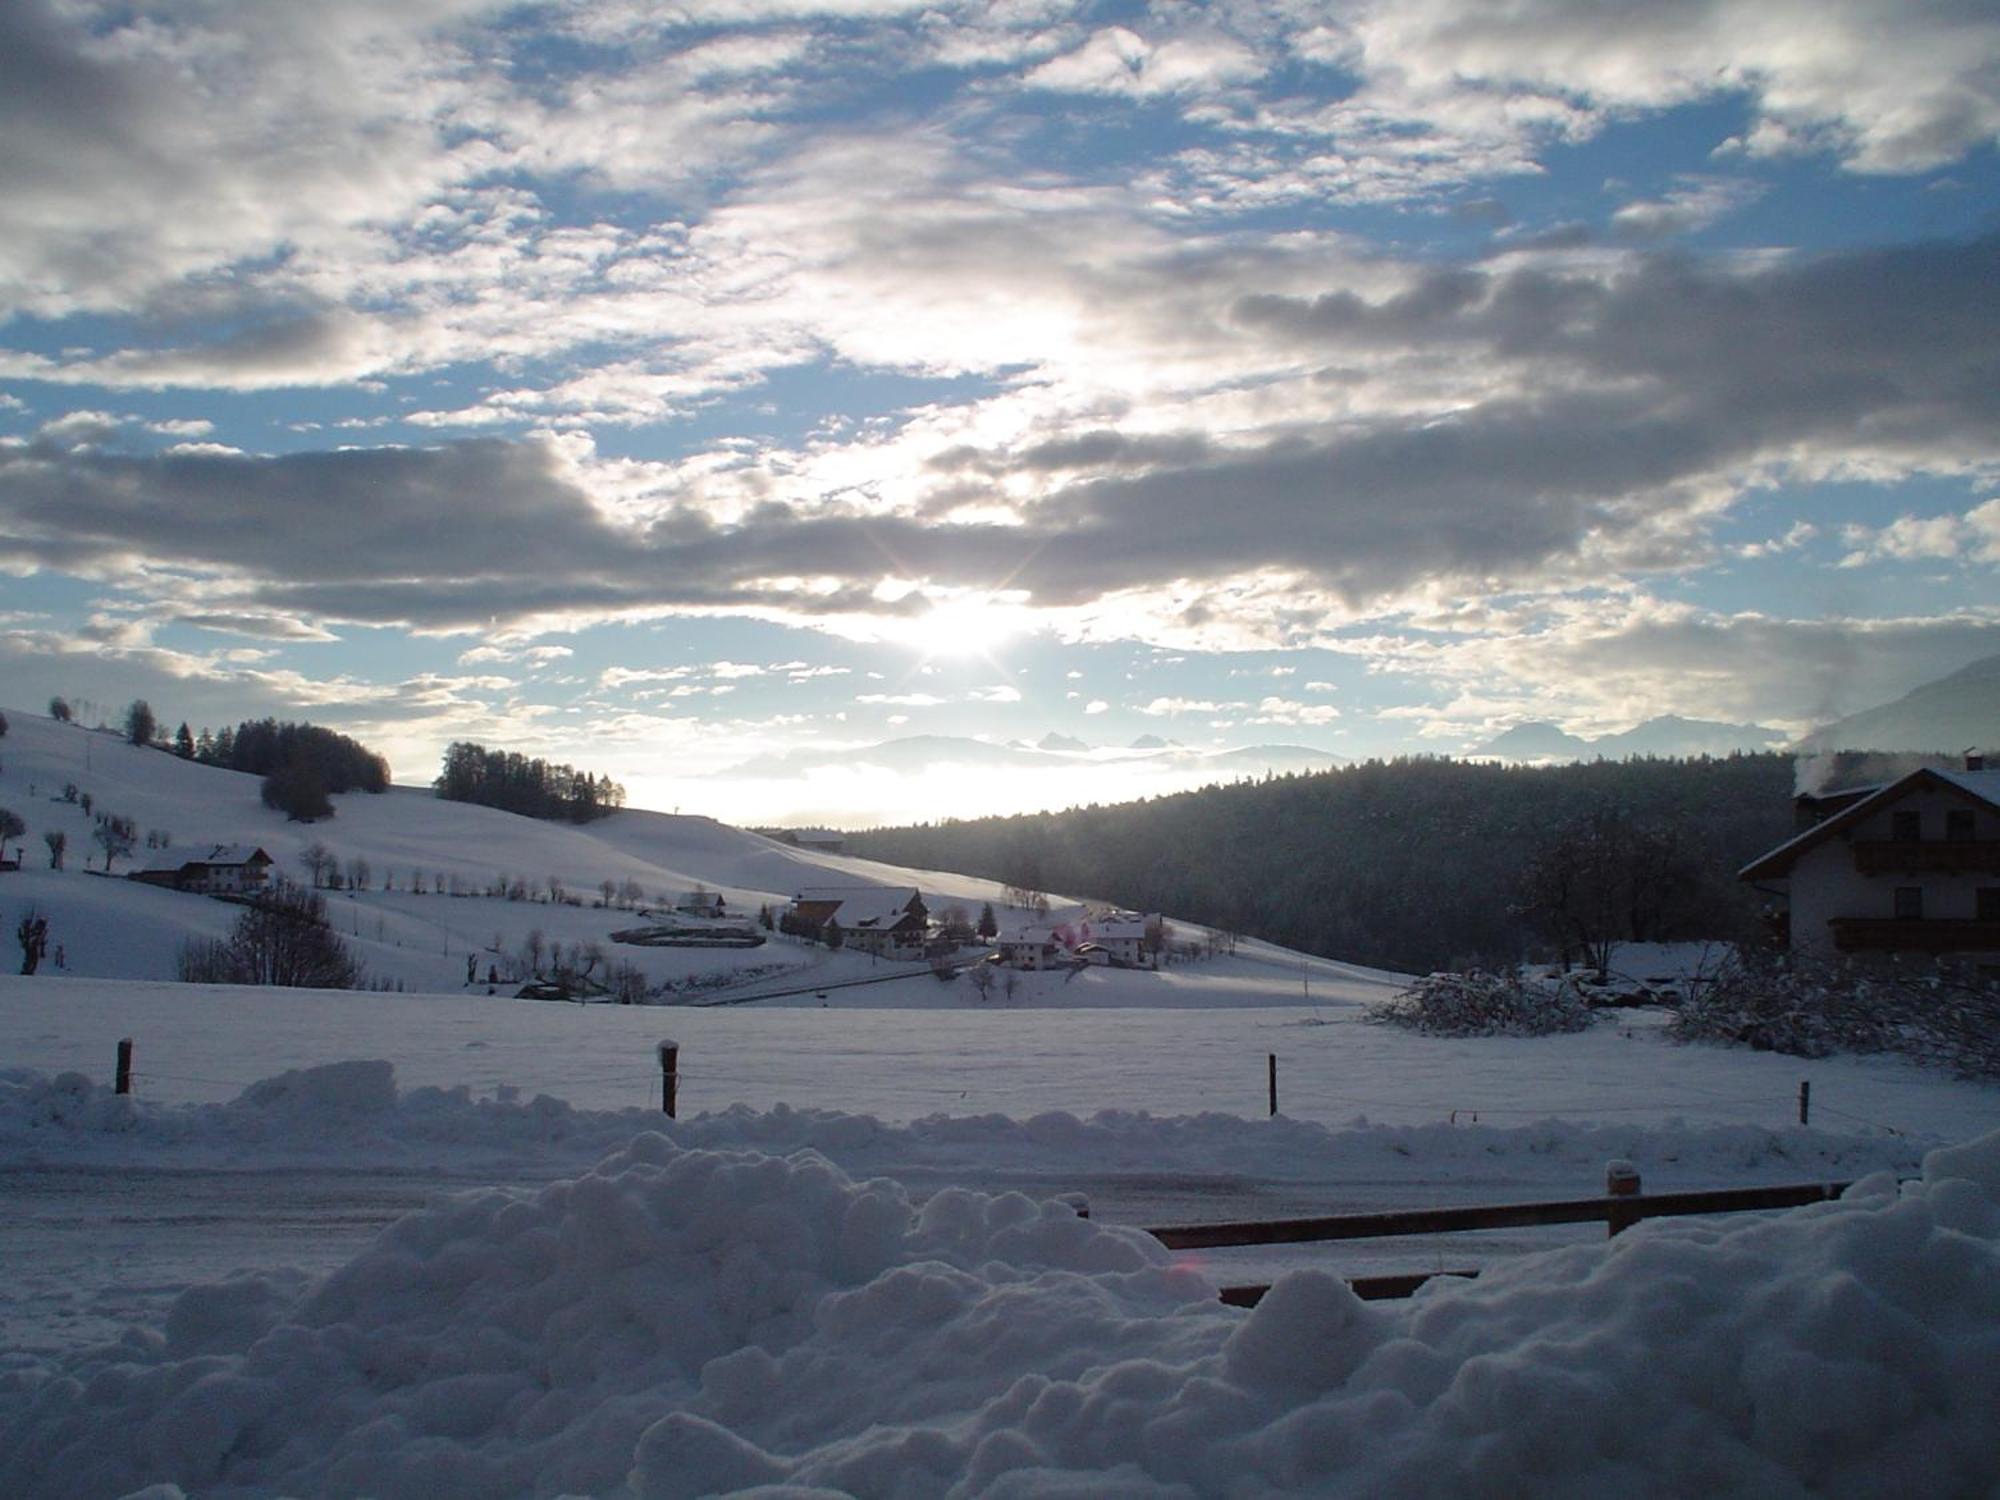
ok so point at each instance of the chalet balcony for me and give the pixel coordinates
(1921, 935)
(1928, 856)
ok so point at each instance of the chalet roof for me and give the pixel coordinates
(227, 854)
(173, 861)
(839, 892)
(1980, 786)
(874, 908)
(1113, 925)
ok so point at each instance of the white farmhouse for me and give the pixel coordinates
(891, 921)
(226, 869)
(1911, 867)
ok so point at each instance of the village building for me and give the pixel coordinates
(820, 840)
(225, 869)
(1908, 868)
(699, 903)
(1119, 939)
(890, 921)
(1032, 948)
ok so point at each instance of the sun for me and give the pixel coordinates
(965, 625)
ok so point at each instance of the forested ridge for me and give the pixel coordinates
(1411, 864)
(516, 783)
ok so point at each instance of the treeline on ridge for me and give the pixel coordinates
(533, 788)
(1412, 864)
(265, 747)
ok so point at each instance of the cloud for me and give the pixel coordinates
(1169, 707)
(1275, 710)
(1974, 537)
(1117, 60)
(1886, 88)
(1694, 204)
(1597, 418)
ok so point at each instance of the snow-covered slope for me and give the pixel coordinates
(1955, 713)
(408, 933)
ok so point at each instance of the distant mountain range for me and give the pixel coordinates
(916, 752)
(1668, 735)
(1955, 713)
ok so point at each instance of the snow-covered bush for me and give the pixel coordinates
(1936, 1014)
(1483, 1004)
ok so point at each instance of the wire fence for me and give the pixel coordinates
(702, 1088)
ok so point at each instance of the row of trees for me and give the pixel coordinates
(303, 765)
(266, 747)
(1415, 864)
(533, 788)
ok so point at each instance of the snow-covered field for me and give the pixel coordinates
(442, 1243)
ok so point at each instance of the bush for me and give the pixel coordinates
(1483, 1004)
(1936, 1014)
(283, 939)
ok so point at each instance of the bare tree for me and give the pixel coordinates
(115, 835)
(58, 841)
(318, 860)
(11, 827)
(59, 710)
(284, 939)
(980, 977)
(532, 949)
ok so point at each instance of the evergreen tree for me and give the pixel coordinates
(298, 792)
(184, 742)
(140, 725)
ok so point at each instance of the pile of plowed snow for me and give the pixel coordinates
(682, 1322)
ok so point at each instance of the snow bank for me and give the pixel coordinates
(680, 1322)
(351, 1114)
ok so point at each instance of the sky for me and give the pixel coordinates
(703, 393)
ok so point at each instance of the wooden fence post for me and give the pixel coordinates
(1622, 1188)
(1805, 1100)
(124, 1083)
(1271, 1064)
(670, 1077)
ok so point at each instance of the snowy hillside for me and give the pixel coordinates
(421, 939)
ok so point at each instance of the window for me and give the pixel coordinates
(1958, 825)
(1906, 827)
(1988, 909)
(1909, 903)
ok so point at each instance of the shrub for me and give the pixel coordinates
(283, 939)
(1936, 1014)
(1485, 1004)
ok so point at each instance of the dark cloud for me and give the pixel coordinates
(1623, 395)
